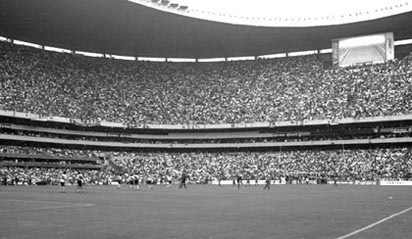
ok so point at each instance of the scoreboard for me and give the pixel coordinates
(377, 48)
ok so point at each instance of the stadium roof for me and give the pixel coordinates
(290, 13)
(122, 27)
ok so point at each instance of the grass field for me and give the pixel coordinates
(288, 211)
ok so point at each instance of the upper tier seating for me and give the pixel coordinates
(296, 88)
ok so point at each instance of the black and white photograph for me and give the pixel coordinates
(205, 119)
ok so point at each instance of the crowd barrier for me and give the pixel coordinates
(395, 183)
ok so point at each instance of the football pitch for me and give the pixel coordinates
(287, 211)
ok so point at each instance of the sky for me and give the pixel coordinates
(288, 12)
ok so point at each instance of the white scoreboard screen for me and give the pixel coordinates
(368, 49)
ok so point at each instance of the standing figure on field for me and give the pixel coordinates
(183, 179)
(136, 181)
(239, 179)
(62, 179)
(80, 181)
(267, 181)
(150, 181)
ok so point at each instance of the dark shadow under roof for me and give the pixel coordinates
(124, 28)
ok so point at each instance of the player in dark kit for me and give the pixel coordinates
(220, 178)
(136, 182)
(183, 180)
(248, 181)
(79, 183)
(239, 180)
(335, 180)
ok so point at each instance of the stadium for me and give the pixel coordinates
(205, 119)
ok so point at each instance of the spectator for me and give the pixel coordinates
(295, 88)
(200, 167)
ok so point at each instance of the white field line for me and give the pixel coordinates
(60, 206)
(374, 224)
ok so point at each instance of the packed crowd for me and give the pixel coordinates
(362, 164)
(295, 88)
(346, 164)
(8, 149)
(47, 176)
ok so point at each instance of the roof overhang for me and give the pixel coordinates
(124, 28)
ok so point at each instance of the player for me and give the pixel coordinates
(120, 180)
(239, 180)
(220, 176)
(79, 179)
(248, 181)
(183, 180)
(267, 185)
(169, 180)
(219, 179)
(62, 179)
(150, 182)
(136, 180)
(130, 181)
